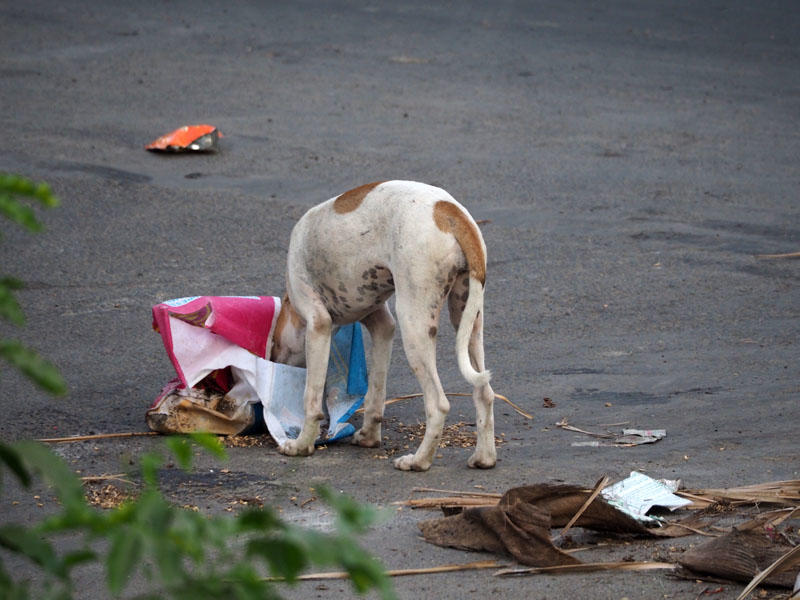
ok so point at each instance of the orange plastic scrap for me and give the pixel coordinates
(189, 138)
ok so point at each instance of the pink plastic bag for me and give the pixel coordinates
(216, 344)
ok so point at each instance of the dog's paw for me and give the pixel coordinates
(366, 440)
(483, 460)
(407, 463)
(293, 448)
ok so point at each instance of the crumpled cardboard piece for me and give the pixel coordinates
(520, 524)
(180, 409)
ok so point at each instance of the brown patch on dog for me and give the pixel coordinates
(451, 219)
(432, 332)
(351, 200)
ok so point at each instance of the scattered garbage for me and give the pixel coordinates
(226, 385)
(189, 138)
(518, 523)
(626, 439)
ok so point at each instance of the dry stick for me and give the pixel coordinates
(602, 482)
(457, 492)
(788, 255)
(693, 529)
(790, 557)
(484, 564)
(97, 436)
(564, 425)
(498, 396)
(450, 501)
(587, 568)
(189, 405)
(772, 492)
(96, 478)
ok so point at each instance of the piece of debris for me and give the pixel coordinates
(519, 525)
(626, 439)
(106, 496)
(404, 59)
(249, 441)
(637, 494)
(189, 138)
(455, 435)
(548, 403)
(786, 255)
(784, 493)
(587, 568)
(482, 564)
(744, 553)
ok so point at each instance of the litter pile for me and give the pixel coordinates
(519, 523)
(225, 383)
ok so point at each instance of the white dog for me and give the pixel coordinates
(347, 256)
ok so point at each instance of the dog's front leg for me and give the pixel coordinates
(380, 325)
(318, 346)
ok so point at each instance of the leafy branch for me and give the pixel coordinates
(180, 553)
(16, 194)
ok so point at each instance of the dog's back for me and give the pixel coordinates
(356, 246)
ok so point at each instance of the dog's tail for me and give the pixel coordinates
(464, 333)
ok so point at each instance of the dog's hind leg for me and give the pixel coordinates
(485, 455)
(418, 329)
(318, 346)
(380, 325)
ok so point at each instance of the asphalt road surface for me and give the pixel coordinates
(632, 160)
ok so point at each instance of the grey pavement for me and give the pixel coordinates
(632, 160)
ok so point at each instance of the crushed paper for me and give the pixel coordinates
(637, 494)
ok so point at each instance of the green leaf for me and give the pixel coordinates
(25, 542)
(79, 557)
(42, 372)
(182, 450)
(352, 516)
(55, 472)
(150, 463)
(19, 213)
(123, 557)
(9, 307)
(170, 563)
(261, 520)
(10, 589)
(285, 557)
(12, 184)
(13, 461)
(181, 447)
(211, 443)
